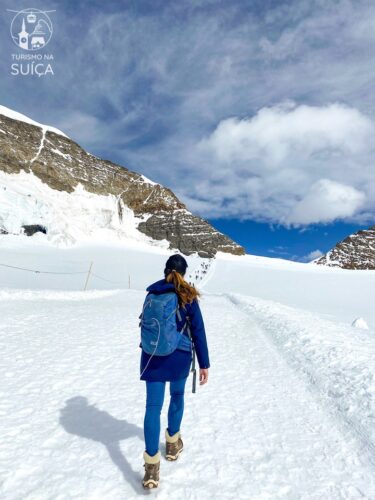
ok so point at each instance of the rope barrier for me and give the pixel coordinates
(41, 272)
(104, 279)
(37, 271)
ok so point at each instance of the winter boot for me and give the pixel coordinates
(152, 468)
(173, 445)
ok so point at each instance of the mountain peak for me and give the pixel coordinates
(357, 251)
(65, 167)
(15, 115)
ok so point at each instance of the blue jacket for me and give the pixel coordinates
(193, 312)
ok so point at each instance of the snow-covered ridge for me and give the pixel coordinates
(149, 181)
(15, 115)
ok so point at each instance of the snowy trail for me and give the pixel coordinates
(71, 410)
(290, 448)
(336, 360)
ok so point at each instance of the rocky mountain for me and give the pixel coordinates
(357, 251)
(64, 166)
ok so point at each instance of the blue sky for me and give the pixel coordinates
(259, 115)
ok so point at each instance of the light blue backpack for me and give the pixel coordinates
(159, 334)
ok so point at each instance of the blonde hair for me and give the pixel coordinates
(186, 293)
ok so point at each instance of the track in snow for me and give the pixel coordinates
(72, 408)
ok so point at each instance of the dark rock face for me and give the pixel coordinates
(31, 229)
(357, 251)
(188, 233)
(63, 164)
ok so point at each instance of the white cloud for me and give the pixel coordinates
(288, 164)
(274, 134)
(326, 201)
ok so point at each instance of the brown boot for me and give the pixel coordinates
(173, 445)
(152, 468)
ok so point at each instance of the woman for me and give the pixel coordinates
(173, 368)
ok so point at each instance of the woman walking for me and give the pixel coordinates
(173, 368)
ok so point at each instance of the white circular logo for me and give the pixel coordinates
(31, 29)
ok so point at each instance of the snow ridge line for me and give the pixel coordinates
(41, 145)
(282, 334)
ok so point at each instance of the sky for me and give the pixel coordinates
(259, 115)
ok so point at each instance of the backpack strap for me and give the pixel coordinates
(179, 315)
(193, 369)
(186, 324)
(140, 317)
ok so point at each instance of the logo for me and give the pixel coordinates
(31, 29)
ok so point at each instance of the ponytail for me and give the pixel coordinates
(186, 293)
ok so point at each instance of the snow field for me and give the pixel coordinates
(114, 266)
(66, 363)
(72, 409)
(336, 360)
(338, 294)
(278, 439)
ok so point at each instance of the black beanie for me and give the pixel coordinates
(176, 262)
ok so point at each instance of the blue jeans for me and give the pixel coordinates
(154, 404)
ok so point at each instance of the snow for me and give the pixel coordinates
(360, 323)
(333, 292)
(41, 145)
(288, 411)
(72, 410)
(69, 218)
(336, 362)
(148, 181)
(58, 152)
(66, 268)
(15, 115)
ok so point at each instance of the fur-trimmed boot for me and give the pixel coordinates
(173, 445)
(152, 468)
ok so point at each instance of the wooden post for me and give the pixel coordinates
(88, 275)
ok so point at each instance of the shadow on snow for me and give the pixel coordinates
(80, 418)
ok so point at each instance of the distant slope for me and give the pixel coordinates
(357, 251)
(62, 165)
(332, 292)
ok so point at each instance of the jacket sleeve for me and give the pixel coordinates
(198, 335)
